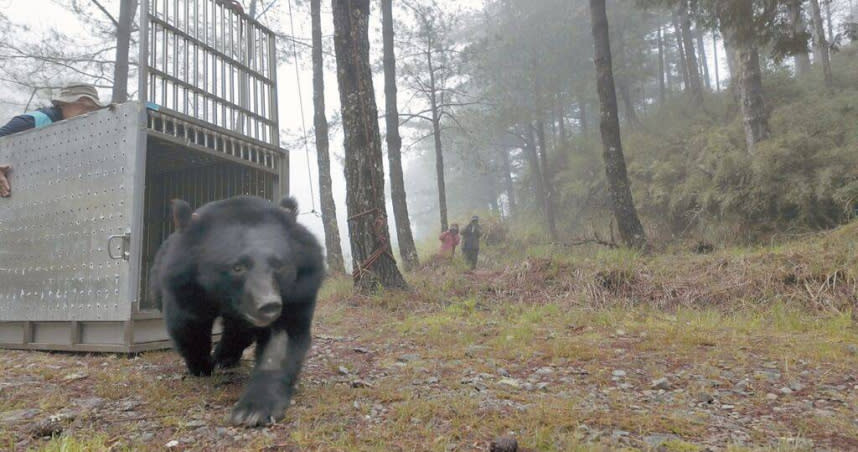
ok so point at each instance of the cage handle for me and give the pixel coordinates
(122, 247)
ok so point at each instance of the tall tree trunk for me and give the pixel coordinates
(798, 27)
(535, 170)
(717, 63)
(507, 176)
(704, 64)
(374, 264)
(407, 250)
(695, 88)
(623, 206)
(629, 112)
(820, 45)
(127, 10)
(661, 93)
(547, 181)
(830, 23)
(436, 133)
(740, 37)
(333, 246)
(756, 118)
(680, 48)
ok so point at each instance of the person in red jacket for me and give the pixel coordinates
(449, 239)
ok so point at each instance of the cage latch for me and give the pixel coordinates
(119, 246)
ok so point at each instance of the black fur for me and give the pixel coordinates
(249, 262)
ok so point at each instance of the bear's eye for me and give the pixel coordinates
(239, 268)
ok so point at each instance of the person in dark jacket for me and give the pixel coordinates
(471, 242)
(74, 99)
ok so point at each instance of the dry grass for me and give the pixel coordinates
(559, 350)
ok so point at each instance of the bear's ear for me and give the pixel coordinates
(182, 215)
(290, 206)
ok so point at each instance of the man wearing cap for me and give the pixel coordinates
(471, 241)
(74, 99)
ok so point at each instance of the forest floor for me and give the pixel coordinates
(560, 349)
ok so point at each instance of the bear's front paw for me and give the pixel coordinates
(201, 369)
(259, 408)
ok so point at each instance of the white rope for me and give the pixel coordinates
(301, 107)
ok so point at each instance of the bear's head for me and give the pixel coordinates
(246, 256)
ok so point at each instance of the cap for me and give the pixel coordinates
(74, 92)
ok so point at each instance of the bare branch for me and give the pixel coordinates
(106, 13)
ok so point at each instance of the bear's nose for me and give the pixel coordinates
(271, 308)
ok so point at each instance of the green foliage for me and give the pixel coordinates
(692, 176)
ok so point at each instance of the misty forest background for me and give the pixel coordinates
(737, 118)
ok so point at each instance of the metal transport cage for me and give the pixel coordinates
(91, 194)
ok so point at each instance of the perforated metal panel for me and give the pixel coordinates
(72, 188)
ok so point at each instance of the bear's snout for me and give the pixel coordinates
(262, 303)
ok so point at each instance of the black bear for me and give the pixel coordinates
(250, 263)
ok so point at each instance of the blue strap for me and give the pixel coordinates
(40, 118)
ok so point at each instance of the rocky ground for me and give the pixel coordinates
(528, 352)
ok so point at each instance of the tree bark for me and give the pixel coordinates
(127, 10)
(680, 47)
(715, 58)
(740, 36)
(631, 116)
(436, 133)
(820, 45)
(548, 200)
(631, 230)
(507, 175)
(704, 64)
(333, 247)
(694, 87)
(661, 92)
(798, 27)
(535, 170)
(374, 264)
(407, 249)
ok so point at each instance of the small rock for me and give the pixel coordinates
(196, 423)
(408, 357)
(852, 348)
(512, 382)
(75, 376)
(128, 405)
(503, 372)
(171, 444)
(529, 386)
(727, 407)
(542, 386)
(360, 350)
(626, 386)
(771, 396)
(149, 436)
(343, 370)
(46, 427)
(617, 434)
(432, 380)
(620, 333)
(504, 444)
(18, 415)
(360, 384)
(797, 386)
(474, 350)
(542, 371)
(741, 386)
(657, 439)
(661, 383)
(619, 373)
(705, 397)
(785, 391)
